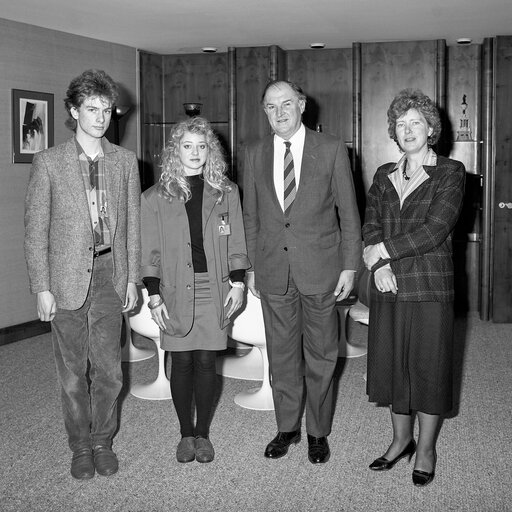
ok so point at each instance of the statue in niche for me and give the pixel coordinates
(464, 130)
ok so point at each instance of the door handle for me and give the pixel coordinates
(505, 205)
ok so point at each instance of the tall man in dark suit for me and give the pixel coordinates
(82, 246)
(304, 240)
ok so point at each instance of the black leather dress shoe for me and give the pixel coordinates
(423, 478)
(105, 461)
(382, 464)
(278, 447)
(82, 464)
(318, 450)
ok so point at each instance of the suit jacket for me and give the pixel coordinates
(320, 237)
(59, 239)
(418, 237)
(167, 252)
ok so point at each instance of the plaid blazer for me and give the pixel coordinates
(418, 236)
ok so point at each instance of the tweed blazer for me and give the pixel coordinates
(167, 251)
(418, 237)
(58, 232)
(320, 237)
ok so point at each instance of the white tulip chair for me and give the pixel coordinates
(129, 352)
(142, 323)
(248, 327)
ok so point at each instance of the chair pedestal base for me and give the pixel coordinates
(360, 313)
(246, 367)
(345, 349)
(129, 352)
(160, 388)
(349, 351)
(257, 399)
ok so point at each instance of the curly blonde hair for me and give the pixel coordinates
(416, 99)
(173, 180)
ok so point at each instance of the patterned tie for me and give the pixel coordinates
(93, 177)
(290, 190)
(93, 174)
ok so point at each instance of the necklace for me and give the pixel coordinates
(404, 172)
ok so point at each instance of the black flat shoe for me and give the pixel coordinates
(318, 450)
(278, 447)
(383, 464)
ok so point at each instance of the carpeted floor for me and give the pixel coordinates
(474, 449)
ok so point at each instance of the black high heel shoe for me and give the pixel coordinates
(422, 478)
(383, 464)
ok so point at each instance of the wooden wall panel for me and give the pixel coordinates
(199, 78)
(252, 74)
(386, 69)
(487, 163)
(151, 82)
(152, 143)
(502, 206)
(151, 115)
(326, 78)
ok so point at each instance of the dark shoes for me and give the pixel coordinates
(186, 450)
(195, 448)
(423, 478)
(204, 449)
(318, 450)
(105, 461)
(382, 464)
(82, 464)
(278, 447)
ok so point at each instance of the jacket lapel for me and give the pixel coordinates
(210, 197)
(309, 161)
(307, 168)
(71, 174)
(410, 198)
(113, 180)
(267, 158)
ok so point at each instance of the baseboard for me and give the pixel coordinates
(23, 331)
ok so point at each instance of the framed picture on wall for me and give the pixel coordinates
(32, 124)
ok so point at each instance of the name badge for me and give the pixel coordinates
(224, 226)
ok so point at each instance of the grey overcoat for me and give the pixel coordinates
(167, 252)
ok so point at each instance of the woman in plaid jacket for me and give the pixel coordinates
(412, 208)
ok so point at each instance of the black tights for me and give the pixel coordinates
(193, 373)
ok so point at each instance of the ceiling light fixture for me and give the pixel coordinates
(464, 40)
(208, 49)
(317, 46)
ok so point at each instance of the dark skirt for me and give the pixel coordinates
(205, 333)
(410, 356)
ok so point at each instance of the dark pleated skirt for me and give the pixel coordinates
(205, 333)
(410, 356)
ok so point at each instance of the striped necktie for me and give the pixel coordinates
(290, 190)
